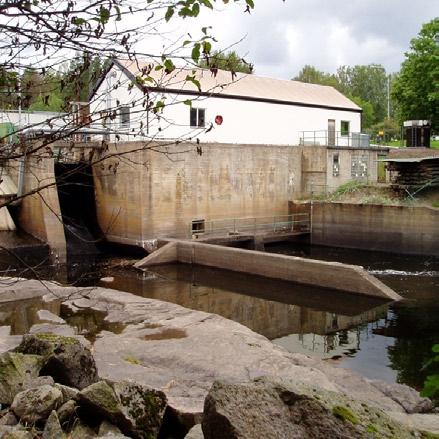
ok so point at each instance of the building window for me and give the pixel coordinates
(359, 166)
(198, 119)
(336, 165)
(198, 226)
(344, 128)
(124, 117)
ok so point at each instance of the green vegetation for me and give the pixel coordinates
(371, 428)
(229, 61)
(416, 88)
(431, 384)
(131, 359)
(344, 414)
(435, 204)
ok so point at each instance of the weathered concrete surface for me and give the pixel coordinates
(149, 196)
(40, 212)
(182, 352)
(397, 229)
(334, 275)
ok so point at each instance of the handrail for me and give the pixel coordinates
(237, 226)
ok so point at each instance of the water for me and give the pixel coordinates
(366, 335)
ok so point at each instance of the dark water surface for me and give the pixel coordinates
(389, 342)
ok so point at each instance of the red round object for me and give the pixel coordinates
(218, 120)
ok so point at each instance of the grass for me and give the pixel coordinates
(435, 204)
(433, 143)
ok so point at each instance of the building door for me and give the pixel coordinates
(331, 132)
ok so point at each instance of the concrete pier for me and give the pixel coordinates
(334, 275)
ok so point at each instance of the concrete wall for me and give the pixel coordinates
(39, 212)
(147, 191)
(244, 122)
(331, 275)
(398, 229)
(144, 194)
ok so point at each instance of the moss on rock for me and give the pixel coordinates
(344, 414)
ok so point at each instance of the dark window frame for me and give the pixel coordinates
(197, 117)
(124, 116)
(343, 130)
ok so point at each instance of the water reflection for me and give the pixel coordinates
(270, 307)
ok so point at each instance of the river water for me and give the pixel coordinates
(382, 341)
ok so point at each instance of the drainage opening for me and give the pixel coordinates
(78, 208)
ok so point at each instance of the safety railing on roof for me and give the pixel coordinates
(335, 138)
(297, 222)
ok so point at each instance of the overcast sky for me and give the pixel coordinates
(281, 37)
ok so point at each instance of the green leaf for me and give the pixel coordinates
(188, 102)
(195, 10)
(207, 3)
(169, 66)
(435, 348)
(169, 13)
(250, 3)
(78, 21)
(195, 55)
(158, 107)
(104, 15)
(207, 46)
(194, 81)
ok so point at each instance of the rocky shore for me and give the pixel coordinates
(103, 363)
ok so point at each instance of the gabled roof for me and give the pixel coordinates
(241, 86)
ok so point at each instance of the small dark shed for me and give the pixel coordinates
(417, 133)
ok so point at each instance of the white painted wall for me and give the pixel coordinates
(28, 118)
(245, 122)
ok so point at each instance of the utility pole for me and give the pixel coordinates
(388, 96)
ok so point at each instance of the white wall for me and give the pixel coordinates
(28, 117)
(244, 122)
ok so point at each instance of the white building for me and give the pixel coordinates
(246, 109)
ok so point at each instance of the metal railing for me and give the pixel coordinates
(335, 138)
(297, 222)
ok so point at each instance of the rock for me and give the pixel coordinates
(67, 392)
(420, 421)
(40, 381)
(52, 328)
(15, 433)
(9, 419)
(106, 429)
(81, 431)
(66, 359)
(268, 408)
(135, 409)
(67, 414)
(142, 407)
(35, 404)
(404, 395)
(16, 370)
(107, 279)
(195, 432)
(52, 429)
(47, 317)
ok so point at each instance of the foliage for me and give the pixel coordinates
(416, 89)
(366, 85)
(311, 75)
(368, 115)
(229, 61)
(368, 82)
(431, 384)
(391, 130)
(344, 414)
(435, 204)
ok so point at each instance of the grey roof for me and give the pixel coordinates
(241, 86)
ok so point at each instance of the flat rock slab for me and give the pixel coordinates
(182, 352)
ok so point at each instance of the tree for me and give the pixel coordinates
(416, 88)
(367, 116)
(368, 82)
(229, 61)
(311, 75)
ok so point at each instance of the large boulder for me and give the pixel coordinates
(17, 371)
(279, 409)
(137, 410)
(36, 404)
(65, 359)
(52, 429)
